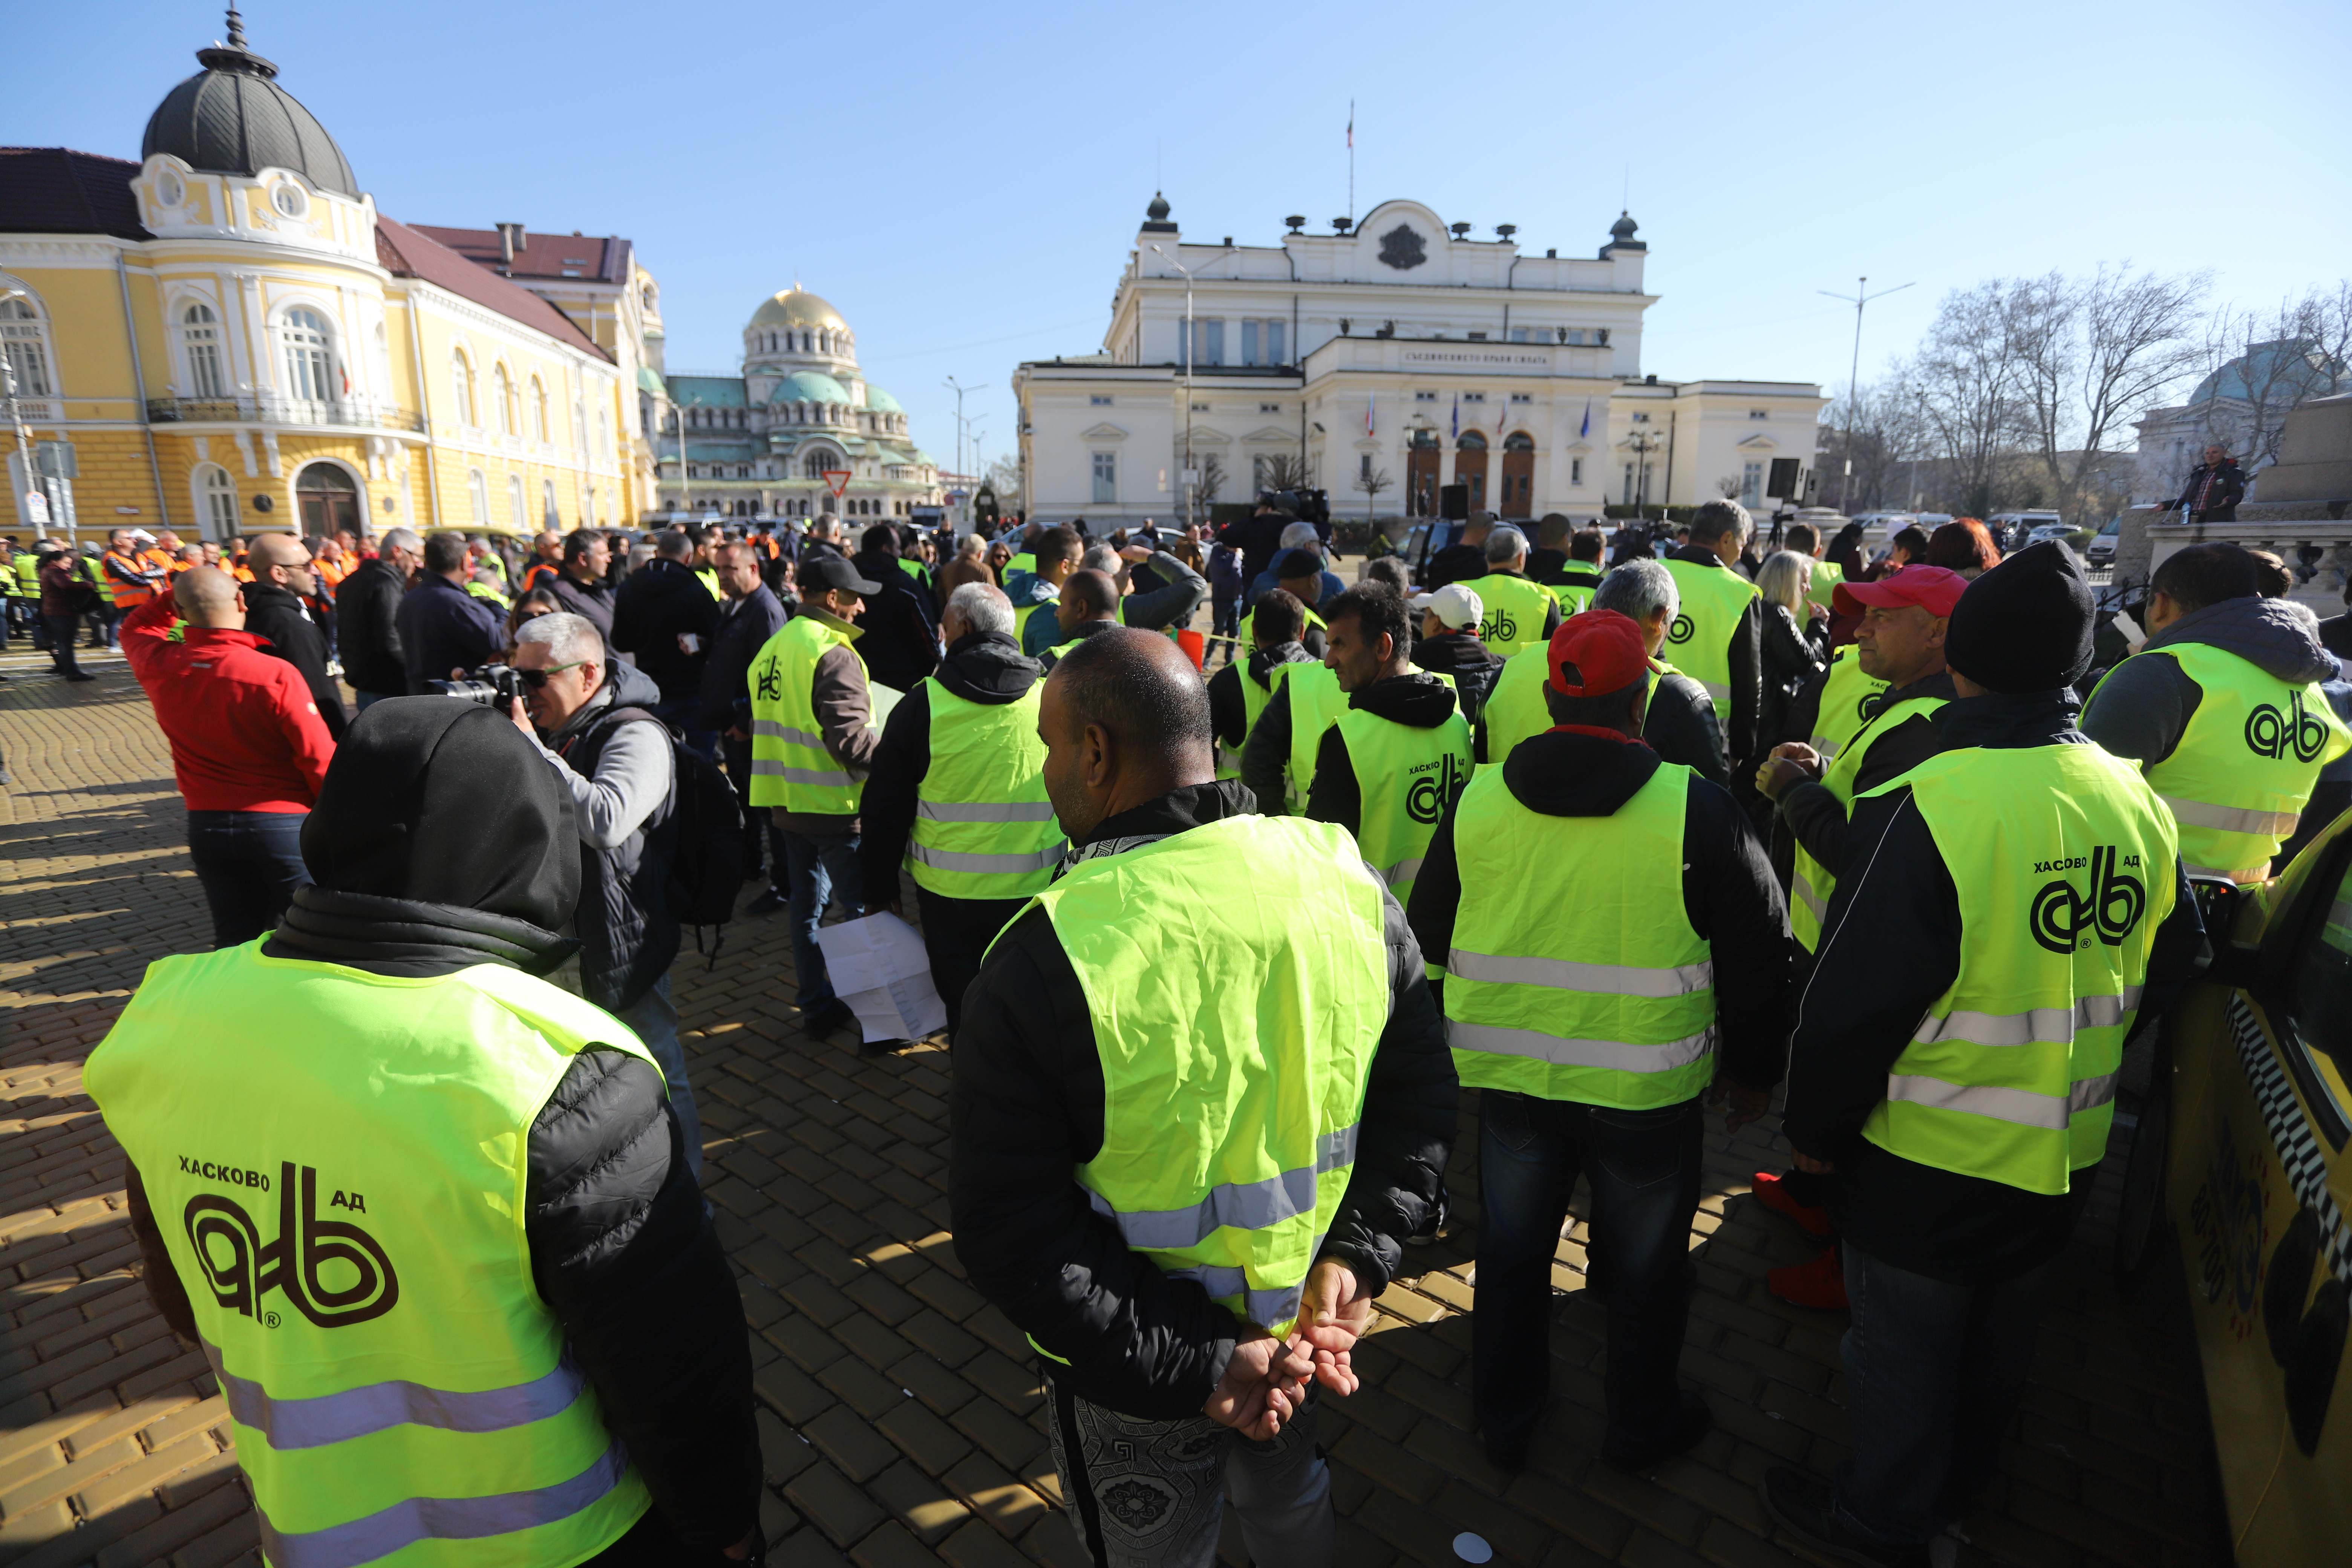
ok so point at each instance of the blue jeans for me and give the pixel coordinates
(820, 867)
(654, 1020)
(1933, 1374)
(1644, 1166)
(249, 864)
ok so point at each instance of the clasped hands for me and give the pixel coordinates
(1264, 1383)
(1791, 762)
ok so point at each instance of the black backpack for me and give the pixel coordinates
(707, 873)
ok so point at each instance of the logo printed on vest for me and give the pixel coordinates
(2270, 733)
(1439, 782)
(2065, 920)
(1681, 631)
(772, 679)
(241, 1269)
(1502, 625)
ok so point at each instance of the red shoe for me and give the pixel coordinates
(1819, 1284)
(1773, 1191)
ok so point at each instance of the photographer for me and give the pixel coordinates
(589, 719)
(445, 630)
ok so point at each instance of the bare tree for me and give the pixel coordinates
(1881, 428)
(1213, 479)
(1373, 482)
(1285, 471)
(1728, 488)
(2278, 360)
(1003, 476)
(2089, 354)
(1971, 399)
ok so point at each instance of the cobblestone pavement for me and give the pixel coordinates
(901, 1418)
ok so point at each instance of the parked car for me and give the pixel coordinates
(2011, 529)
(2238, 1182)
(2102, 551)
(2049, 530)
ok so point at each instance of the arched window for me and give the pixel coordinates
(303, 335)
(503, 399)
(816, 465)
(538, 410)
(217, 493)
(27, 345)
(1471, 441)
(478, 492)
(200, 343)
(461, 388)
(604, 433)
(514, 502)
(547, 505)
(1518, 441)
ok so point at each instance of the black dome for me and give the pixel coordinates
(232, 117)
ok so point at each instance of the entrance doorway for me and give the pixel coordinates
(1470, 467)
(1422, 460)
(1519, 475)
(327, 500)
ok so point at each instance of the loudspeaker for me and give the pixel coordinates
(1784, 484)
(1453, 502)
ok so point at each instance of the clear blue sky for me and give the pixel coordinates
(963, 182)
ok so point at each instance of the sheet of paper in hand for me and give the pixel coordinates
(877, 965)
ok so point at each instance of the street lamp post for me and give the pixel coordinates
(1858, 299)
(1191, 486)
(1644, 442)
(958, 389)
(1917, 436)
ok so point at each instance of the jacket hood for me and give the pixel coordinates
(1450, 653)
(2262, 632)
(987, 666)
(432, 800)
(1576, 773)
(630, 687)
(1262, 661)
(1421, 701)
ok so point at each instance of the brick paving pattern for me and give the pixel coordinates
(901, 1418)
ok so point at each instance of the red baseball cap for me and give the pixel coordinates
(1932, 588)
(1596, 653)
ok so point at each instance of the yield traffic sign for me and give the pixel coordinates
(836, 481)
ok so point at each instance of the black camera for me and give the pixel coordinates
(1305, 505)
(492, 686)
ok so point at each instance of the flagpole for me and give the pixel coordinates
(1351, 162)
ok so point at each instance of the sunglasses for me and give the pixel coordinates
(535, 678)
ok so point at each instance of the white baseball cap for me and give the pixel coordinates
(1457, 605)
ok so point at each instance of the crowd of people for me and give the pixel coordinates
(1222, 925)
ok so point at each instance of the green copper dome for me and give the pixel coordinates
(808, 386)
(881, 402)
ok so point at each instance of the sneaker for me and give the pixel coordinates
(1772, 1192)
(767, 903)
(1696, 1422)
(1819, 1284)
(1800, 1504)
(1435, 1226)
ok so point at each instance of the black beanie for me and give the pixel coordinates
(2025, 625)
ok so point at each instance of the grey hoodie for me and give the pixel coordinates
(2143, 707)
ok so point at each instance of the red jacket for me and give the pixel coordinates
(245, 735)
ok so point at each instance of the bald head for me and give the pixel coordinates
(1125, 720)
(1092, 593)
(270, 550)
(208, 596)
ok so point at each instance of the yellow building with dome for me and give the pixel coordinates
(226, 338)
(773, 440)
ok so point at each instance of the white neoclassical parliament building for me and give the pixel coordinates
(1393, 345)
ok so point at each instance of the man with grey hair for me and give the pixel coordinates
(958, 792)
(1518, 615)
(1717, 638)
(824, 538)
(1679, 724)
(367, 630)
(588, 717)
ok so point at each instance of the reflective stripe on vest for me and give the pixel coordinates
(1515, 610)
(791, 766)
(2063, 859)
(1810, 883)
(350, 1229)
(2239, 777)
(1842, 713)
(1713, 600)
(983, 828)
(1608, 1002)
(1405, 777)
(1315, 704)
(1235, 1053)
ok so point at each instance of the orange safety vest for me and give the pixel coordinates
(330, 574)
(128, 595)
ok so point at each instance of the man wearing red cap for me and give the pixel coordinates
(1595, 1015)
(1900, 641)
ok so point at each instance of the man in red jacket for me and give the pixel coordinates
(248, 747)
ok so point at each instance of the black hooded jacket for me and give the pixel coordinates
(1890, 947)
(1474, 666)
(1228, 709)
(1418, 701)
(653, 607)
(1027, 1107)
(1729, 891)
(441, 842)
(982, 666)
(898, 630)
(280, 619)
